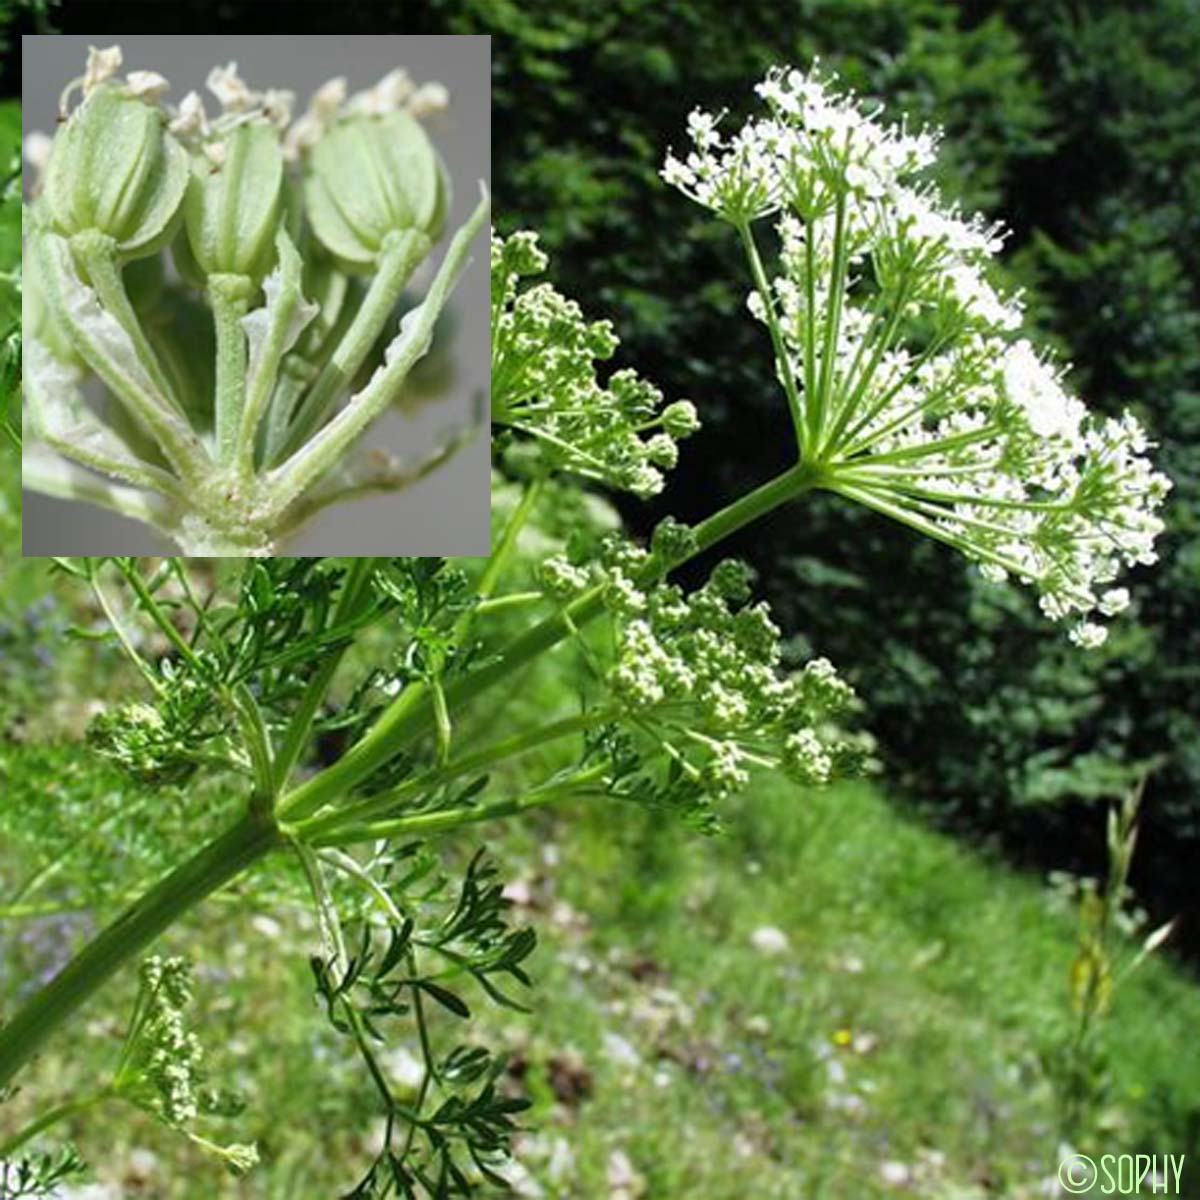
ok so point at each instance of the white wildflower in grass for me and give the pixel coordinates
(767, 939)
(545, 387)
(910, 387)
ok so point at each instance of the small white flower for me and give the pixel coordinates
(429, 98)
(277, 104)
(191, 120)
(230, 89)
(102, 65)
(1088, 635)
(1113, 601)
(149, 85)
(328, 98)
(323, 109)
(392, 90)
(702, 127)
(1036, 389)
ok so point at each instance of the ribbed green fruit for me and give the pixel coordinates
(117, 171)
(369, 177)
(232, 211)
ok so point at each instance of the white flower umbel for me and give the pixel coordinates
(909, 385)
(237, 386)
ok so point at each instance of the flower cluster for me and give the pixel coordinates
(704, 670)
(161, 1061)
(395, 92)
(544, 383)
(164, 1054)
(160, 744)
(910, 387)
(231, 398)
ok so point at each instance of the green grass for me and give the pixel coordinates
(661, 1033)
(947, 974)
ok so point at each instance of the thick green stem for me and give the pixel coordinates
(214, 865)
(412, 714)
(229, 296)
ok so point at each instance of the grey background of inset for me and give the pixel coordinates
(449, 511)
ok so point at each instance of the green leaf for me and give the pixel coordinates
(446, 999)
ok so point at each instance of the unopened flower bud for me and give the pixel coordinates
(115, 170)
(680, 419)
(369, 177)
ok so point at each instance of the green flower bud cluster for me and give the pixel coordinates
(704, 670)
(159, 744)
(545, 387)
(165, 1057)
(160, 1069)
(255, 211)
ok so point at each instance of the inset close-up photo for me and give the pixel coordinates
(255, 291)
